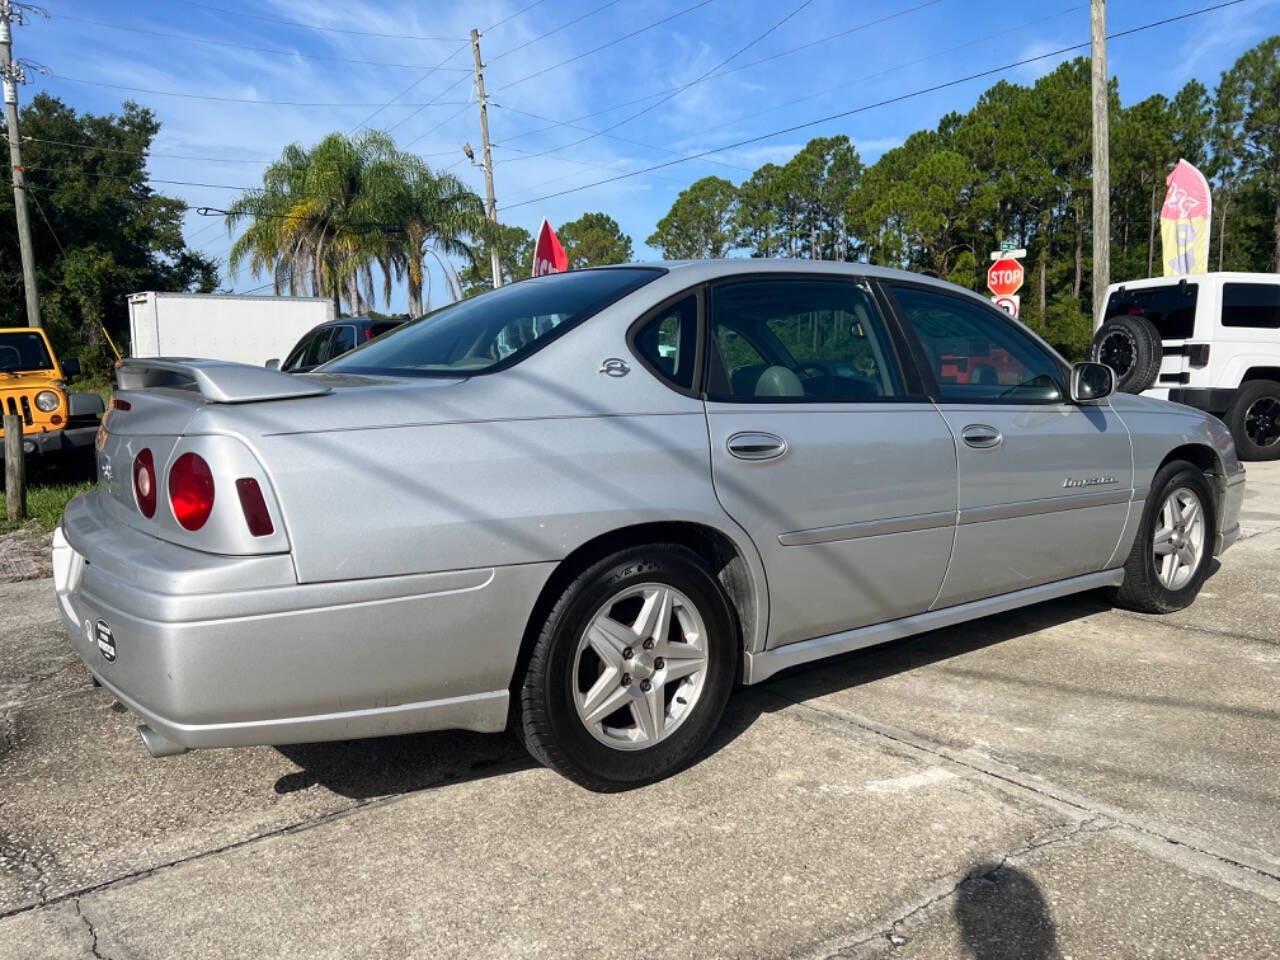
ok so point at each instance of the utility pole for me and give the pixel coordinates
(1101, 157)
(491, 204)
(14, 75)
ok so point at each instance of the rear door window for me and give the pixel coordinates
(344, 339)
(1171, 308)
(1254, 305)
(668, 343)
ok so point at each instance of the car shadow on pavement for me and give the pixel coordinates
(386, 766)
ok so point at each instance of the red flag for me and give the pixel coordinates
(548, 255)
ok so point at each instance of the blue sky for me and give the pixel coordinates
(901, 46)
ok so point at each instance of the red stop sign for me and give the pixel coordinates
(1005, 277)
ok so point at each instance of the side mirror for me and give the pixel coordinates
(71, 366)
(273, 363)
(1092, 382)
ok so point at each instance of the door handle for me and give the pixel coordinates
(756, 446)
(981, 436)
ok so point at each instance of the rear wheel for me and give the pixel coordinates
(1170, 557)
(1254, 419)
(632, 669)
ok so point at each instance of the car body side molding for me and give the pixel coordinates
(761, 666)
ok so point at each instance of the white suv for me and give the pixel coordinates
(1210, 341)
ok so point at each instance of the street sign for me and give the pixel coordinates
(1018, 254)
(1005, 277)
(1009, 304)
(1007, 245)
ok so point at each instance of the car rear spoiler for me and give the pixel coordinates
(218, 381)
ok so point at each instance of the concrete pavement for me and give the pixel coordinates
(1068, 780)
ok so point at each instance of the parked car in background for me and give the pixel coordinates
(1211, 341)
(56, 423)
(332, 339)
(587, 504)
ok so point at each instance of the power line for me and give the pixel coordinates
(696, 80)
(564, 26)
(879, 103)
(724, 73)
(143, 153)
(242, 46)
(603, 46)
(314, 26)
(365, 122)
(512, 16)
(410, 116)
(447, 119)
(201, 96)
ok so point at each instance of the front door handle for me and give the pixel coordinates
(981, 436)
(756, 446)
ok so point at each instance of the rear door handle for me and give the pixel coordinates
(981, 436)
(756, 446)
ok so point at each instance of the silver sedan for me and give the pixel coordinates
(586, 505)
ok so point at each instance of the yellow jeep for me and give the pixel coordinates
(55, 423)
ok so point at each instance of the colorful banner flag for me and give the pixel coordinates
(548, 255)
(1185, 220)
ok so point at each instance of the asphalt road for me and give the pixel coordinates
(1064, 781)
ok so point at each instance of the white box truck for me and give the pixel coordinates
(218, 326)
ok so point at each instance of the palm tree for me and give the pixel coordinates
(324, 218)
(442, 218)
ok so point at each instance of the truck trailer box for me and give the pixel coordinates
(216, 326)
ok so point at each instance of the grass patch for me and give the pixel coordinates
(45, 503)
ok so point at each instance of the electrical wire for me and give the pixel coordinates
(314, 26)
(201, 96)
(432, 70)
(879, 103)
(241, 46)
(564, 26)
(511, 16)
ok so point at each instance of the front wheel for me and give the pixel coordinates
(1174, 545)
(631, 670)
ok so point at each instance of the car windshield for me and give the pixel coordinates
(496, 329)
(24, 351)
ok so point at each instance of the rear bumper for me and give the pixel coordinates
(231, 651)
(50, 443)
(1230, 501)
(1215, 400)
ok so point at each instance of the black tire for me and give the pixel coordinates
(1131, 346)
(1254, 419)
(1142, 589)
(550, 726)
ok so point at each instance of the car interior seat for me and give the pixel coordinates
(779, 381)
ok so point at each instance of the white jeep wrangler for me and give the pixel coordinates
(1210, 341)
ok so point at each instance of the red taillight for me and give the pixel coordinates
(368, 334)
(255, 507)
(118, 404)
(144, 483)
(191, 491)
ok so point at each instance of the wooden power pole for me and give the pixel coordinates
(13, 75)
(491, 204)
(1101, 157)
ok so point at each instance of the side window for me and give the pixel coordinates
(1171, 307)
(318, 352)
(790, 339)
(298, 356)
(344, 339)
(668, 343)
(1251, 305)
(976, 354)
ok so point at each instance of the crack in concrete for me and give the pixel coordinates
(1189, 628)
(896, 933)
(93, 931)
(19, 856)
(1042, 789)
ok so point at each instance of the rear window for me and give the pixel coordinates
(1251, 305)
(496, 329)
(1171, 308)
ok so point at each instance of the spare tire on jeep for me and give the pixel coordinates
(1130, 345)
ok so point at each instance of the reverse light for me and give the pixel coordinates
(1199, 354)
(191, 491)
(254, 505)
(144, 483)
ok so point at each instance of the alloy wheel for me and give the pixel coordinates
(1262, 421)
(1179, 541)
(640, 666)
(1119, 352)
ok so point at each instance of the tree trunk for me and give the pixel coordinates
(1151, 230)
(1222, 232)
(1276, 225)
(1044, 262)
(1075, 287)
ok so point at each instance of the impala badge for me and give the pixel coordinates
(614, 367)
(1088, 481)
